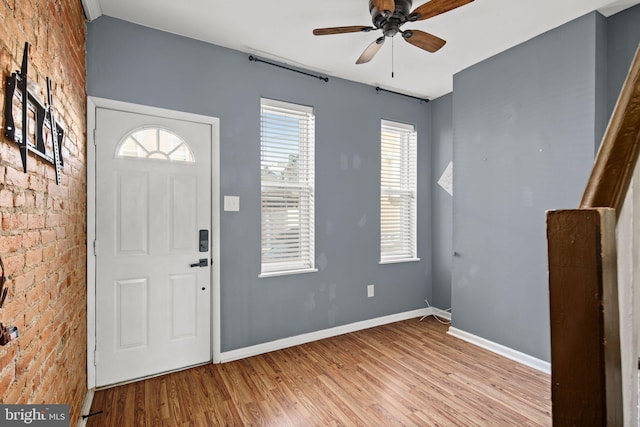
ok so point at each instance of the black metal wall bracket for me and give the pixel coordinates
(47, 131)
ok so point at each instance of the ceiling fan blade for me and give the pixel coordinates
(436, 7)
(423, 40)
(341, 30)
(371, 51)
(384, 5)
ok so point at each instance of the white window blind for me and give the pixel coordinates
(398, 185)
(287, 136)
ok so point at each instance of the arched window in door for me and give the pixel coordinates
(155, 143)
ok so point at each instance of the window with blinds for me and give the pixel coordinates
(287, 136)
(398, 185)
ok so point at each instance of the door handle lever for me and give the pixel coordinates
(204, 262)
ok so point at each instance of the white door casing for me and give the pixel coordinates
(151, 309)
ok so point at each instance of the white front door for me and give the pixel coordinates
(153, 209)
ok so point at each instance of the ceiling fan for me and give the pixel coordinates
(390, 15)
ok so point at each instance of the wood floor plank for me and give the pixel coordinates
(408, 373)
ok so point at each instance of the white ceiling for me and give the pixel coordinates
(281, 30)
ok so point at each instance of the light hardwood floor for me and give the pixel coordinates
(409, 373)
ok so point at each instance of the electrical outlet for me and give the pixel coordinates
(370, 291)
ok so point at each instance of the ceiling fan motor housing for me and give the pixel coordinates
(390, 25)
(389, 22)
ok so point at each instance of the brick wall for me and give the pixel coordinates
(43, 226)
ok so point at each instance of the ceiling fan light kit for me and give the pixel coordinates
(389, 15)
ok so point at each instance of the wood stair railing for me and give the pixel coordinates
(586, 373)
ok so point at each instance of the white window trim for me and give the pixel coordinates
(305, 185)
(398, 261)
(287, 272)
(411, 190)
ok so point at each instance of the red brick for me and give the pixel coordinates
(15, 392)
(56, 190)
(41, 272)
(44, 305)
(13, 312)
(22, 282)
(49, 252)
(40, 202)
(44, 324)
(31, 313)
(38, 212)
(28, 334)
(51, 342)
(52, 220)
(7, 355)
(47, 236)
(37, 183)
(17, 178)
(7, 376)
(29, 201)
(35, 381)
(19, 200)
(13, 264)
(33, 257)
(12, 154)
(25, 359)
(6, 198)
(10, 243)
(30, 239)
(35, 221)
(14, 221)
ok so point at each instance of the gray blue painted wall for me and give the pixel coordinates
(135, 64)
(623, 37)
(616, 40)
(441, 201)
(524, 139)
(601, 114)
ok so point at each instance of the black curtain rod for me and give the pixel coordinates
(254, 59)
(379, 89)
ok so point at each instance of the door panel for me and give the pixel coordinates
(153, 309)
(184, 297)
(132, 305)
(133, 213)
(183, 213)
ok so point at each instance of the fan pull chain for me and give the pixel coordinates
(393, 56)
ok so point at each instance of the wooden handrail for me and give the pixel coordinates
(586, 362)
(586, 381)
(613, 169)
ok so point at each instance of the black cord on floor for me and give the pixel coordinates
(84, 417)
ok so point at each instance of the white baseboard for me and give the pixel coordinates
(441, 313)
(500, 349)
(229, 356)
(86, 407)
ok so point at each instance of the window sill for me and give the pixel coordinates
(287, 273)
(397, 261)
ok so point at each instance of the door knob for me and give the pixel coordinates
(202, 263)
